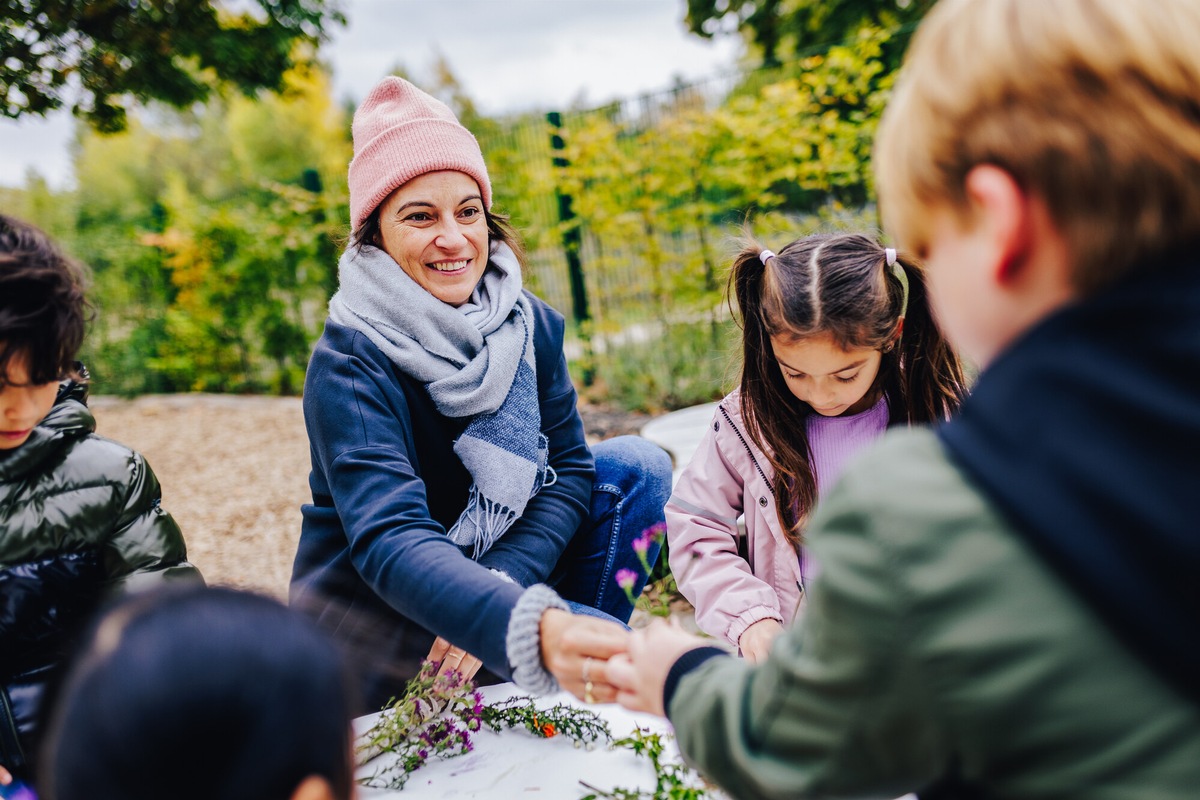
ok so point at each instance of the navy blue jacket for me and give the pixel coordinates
(374, 563)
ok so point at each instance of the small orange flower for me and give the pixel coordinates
(548, 730)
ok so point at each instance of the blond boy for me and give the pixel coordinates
(1008, 604)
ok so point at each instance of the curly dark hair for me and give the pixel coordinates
(43, 310)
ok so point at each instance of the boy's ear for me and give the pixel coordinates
(1003, 213)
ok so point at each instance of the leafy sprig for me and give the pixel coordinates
(436, 716)
(673, 780)
(581, 725)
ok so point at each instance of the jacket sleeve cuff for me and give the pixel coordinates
(682, 666)
(523, 643)
(747, 618)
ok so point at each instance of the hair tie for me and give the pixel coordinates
(889, 255)
(764, 255)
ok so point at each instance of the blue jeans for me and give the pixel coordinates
(633, 482)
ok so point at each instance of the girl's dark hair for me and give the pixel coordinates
(199, 693)
(42, 306)
(840, 285)
(499, 230)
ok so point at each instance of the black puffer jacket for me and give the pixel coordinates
(79, 517)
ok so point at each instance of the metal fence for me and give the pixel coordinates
(644, 301)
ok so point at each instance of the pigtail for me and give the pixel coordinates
(929, 381)
(773, 416)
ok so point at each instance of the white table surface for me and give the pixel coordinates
(515, 764)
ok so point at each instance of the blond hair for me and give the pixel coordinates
(1092, 105)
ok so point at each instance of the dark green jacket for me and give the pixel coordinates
(79, 517)
(936, 643)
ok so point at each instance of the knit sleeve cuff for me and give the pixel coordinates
(682, 666)
(524, 640)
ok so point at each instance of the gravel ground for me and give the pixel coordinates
(234, 472)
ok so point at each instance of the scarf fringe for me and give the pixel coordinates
(481, 524)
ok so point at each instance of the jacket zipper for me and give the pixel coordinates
(746, 445)
(754, 461)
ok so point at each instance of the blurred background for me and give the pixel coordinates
(194, 155)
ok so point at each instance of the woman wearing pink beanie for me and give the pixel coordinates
(458, 514)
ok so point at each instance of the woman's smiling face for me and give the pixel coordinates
(434, 227)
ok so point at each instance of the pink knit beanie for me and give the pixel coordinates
(400, 132)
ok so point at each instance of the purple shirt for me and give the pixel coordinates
(835, 440)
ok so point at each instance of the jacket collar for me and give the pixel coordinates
(1085, 434)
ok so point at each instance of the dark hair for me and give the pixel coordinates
(840, 285)
(42, 306)
(200, 693)
(499, 230)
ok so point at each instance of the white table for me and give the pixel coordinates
(515, 764)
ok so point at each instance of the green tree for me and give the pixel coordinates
(94, 56)
(781, 29)
(212, 237)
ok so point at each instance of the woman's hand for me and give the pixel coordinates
(755, 641)
(450, 658)
(5, 776)
(641, 674)
(576, 649)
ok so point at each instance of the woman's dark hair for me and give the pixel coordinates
(499, 230)
(842, 286)
(199, 693)
(42, 306)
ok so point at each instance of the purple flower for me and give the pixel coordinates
(626, 578)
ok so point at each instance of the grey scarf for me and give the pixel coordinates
(475, 361)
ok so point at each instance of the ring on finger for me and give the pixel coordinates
(587, 669)
(588, 697)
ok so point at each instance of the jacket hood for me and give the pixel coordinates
(1086, 434)
(69, 419)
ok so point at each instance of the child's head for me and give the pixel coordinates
(1089, 105)
(201, 693)
(41, 326)
(830, 324)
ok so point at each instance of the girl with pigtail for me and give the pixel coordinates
(839, 343)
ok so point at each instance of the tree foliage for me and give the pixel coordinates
(93, 56)
(781, 29)
(212, 236)
(213, 233)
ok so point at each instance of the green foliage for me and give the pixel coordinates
(679, 365)
(168, 50)
(782, 29)
(212, 241)
(437, 715)
(213, 233)
(673, 780)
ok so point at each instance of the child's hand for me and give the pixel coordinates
(641, 675)
(450, 658)
(755, 641)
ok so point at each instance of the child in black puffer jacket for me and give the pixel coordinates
(79, 514)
